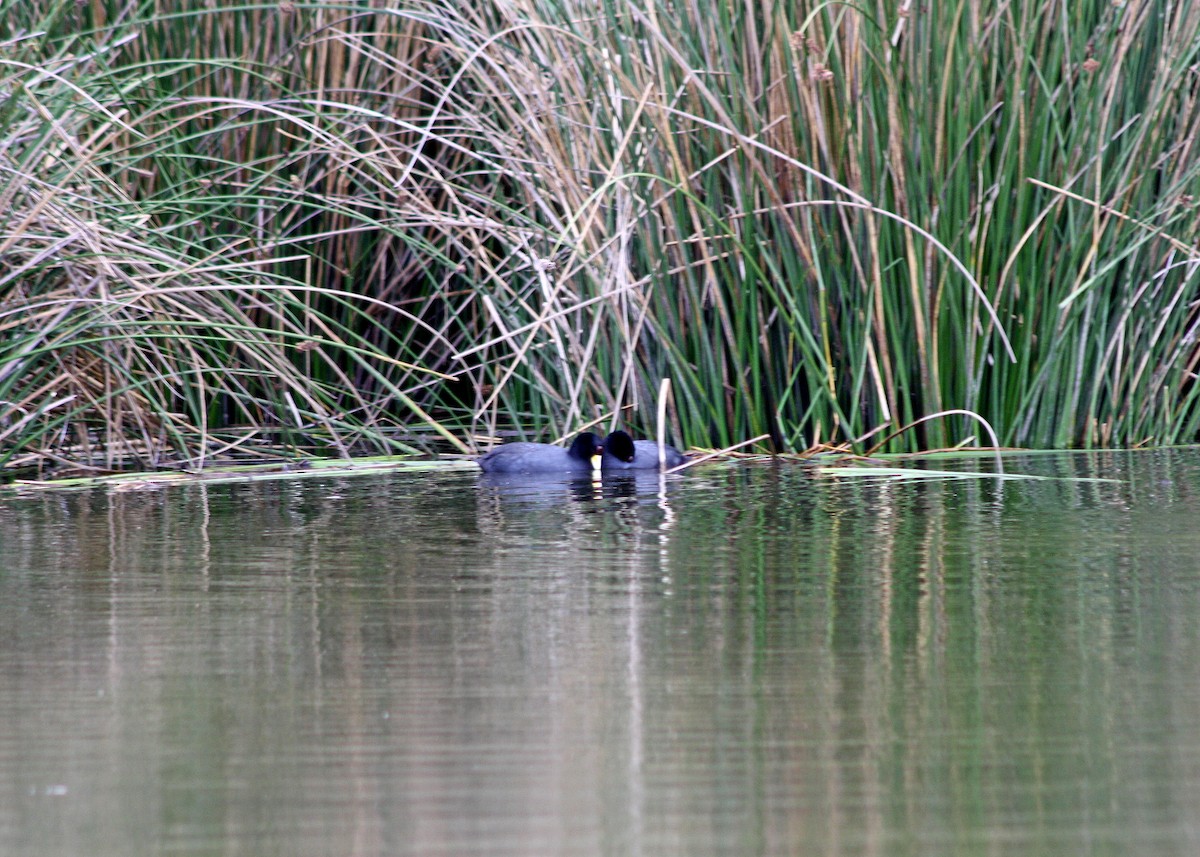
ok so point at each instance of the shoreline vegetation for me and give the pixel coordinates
(300, 230)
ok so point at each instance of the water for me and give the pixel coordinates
(758, 660)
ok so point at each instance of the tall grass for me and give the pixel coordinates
(359, 228)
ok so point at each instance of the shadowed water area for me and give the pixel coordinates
(755, 659)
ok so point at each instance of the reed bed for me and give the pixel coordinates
(348, 229)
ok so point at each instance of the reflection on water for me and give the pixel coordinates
(739, 660)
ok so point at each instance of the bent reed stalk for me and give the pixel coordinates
(311, 228)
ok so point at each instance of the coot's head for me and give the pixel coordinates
(587, 447)
(620, 445)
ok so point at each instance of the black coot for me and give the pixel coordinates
(621, 452)
(524, 457)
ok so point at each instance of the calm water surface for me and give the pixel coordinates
(757, 660)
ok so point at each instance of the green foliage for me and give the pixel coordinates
(335, 225)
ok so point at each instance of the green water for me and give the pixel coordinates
(757, 660)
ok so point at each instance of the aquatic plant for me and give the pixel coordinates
(351, 229)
